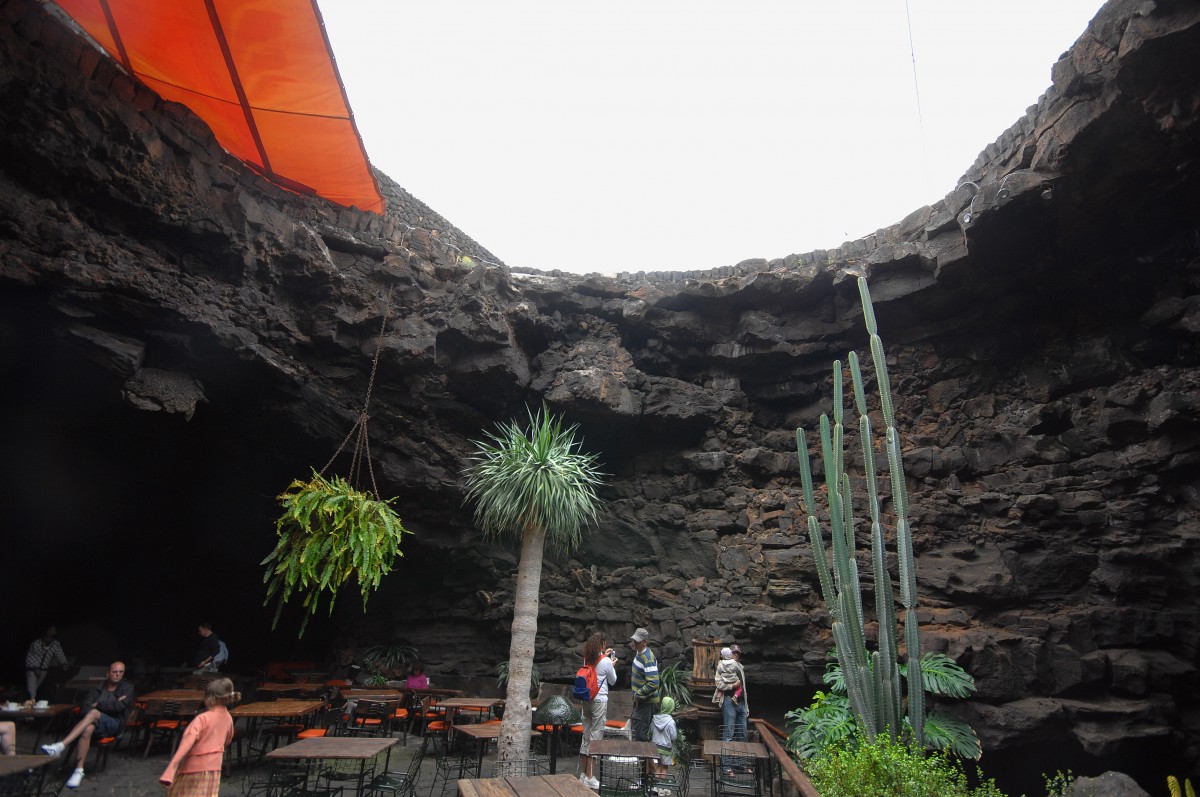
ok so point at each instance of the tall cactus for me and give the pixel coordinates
(872, 677)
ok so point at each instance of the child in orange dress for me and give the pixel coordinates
(195, 769)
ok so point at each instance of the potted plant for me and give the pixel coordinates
(329, 533)
(387, 659)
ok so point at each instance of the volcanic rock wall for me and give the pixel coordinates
(1041, 330)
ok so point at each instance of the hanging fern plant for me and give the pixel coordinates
(330, 533)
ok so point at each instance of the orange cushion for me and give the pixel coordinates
(312, 733)
(613, 724)
(437, 725)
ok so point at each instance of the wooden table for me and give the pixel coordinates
(277, 709)
(537, 786)
(271, 709)
(622, 748)
(430, 691)
(12, 764)
(172, 694)
(484, 732)
(310, 676)
(353, 748)
(359, 692)
(453, 705)
(308, 689)
(43, 716)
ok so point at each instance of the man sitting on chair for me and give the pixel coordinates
(106, 708)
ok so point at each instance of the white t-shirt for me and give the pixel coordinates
(606, 674)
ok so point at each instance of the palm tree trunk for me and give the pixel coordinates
(513, 744)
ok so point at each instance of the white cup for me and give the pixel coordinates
(42, 704)
(11, 706)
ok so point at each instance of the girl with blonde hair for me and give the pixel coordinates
(195, 769)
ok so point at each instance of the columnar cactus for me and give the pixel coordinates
(872, 677)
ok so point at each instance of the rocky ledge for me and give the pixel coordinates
(1041, 324)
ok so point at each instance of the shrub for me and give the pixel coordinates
(884, 767)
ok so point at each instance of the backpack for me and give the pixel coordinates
(222, 654)
(587, 685)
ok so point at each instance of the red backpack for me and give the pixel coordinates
(587, 685)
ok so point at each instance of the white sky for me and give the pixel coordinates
(686, 134)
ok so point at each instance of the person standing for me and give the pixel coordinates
(665, 732)
(730, 695)
(44, 652)
(106, 710)
(595, 711)
(195, 769)
(645, 683)
(744, 697)
(210, 646)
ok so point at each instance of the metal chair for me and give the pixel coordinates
(401, 783)
(22, 783)
(167, 719)
(371, 718)
(273, 780)
(622, 777)
(736, 775)
(136, 721)
(675, 781)
(340, 773)
(450, 766)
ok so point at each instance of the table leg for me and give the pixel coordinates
(554, 750)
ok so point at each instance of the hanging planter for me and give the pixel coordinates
(330, 531)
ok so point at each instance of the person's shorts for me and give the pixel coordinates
(594, 713)
(108, 726)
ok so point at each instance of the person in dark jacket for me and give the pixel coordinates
(210, 646)
(104, 715)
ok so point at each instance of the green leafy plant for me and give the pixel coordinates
(885, 767)
(1173, 786)
(329, 533)
(680, 749)
(829, 721)
(535, 677)
(386, 658)
(872, 678)
(673, 683)
(1059, 784)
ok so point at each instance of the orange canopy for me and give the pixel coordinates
(260, 73)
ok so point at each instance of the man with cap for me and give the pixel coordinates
(645, 683)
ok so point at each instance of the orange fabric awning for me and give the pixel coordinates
(261, 73)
